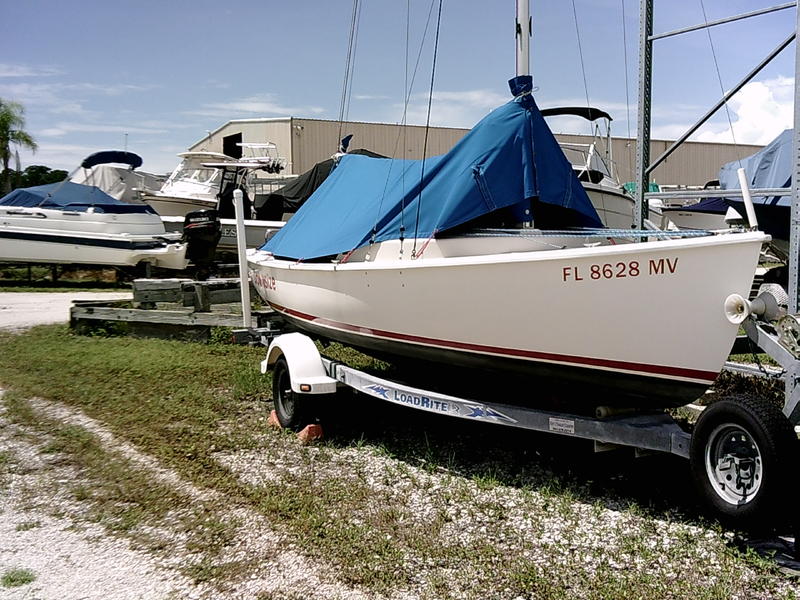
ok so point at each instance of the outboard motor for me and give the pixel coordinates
(201, 232)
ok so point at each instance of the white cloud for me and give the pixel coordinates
(7, 70)
(759, 111)
(451, 109)
(367, 97)
(65, 128)
(254, 105)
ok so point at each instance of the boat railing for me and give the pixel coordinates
(594, 233)
(718, 193)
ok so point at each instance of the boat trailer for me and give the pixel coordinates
(741, 450)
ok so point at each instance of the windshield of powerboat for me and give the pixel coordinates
(197, 174)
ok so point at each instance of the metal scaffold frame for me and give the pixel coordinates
(764, 338)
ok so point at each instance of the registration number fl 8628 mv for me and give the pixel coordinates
(620, 269)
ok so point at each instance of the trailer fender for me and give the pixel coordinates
(306, 371)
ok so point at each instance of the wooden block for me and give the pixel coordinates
(273, 420)
(310, 433)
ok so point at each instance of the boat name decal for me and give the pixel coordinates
(620, 270)
(265, 282)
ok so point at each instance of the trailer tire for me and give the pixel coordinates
(288, 404)
(741, 454)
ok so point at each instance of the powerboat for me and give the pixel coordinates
(769, 168)
(122, 183)
(71, 223)
(264, 154)
(594, 166)
(492, 257)
(707, 214)
(191, 186)
(206, 180)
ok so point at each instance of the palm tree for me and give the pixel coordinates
(11, 133)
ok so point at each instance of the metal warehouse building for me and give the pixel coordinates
(305, 142)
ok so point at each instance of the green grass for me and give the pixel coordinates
(383, 499)
(17, 578)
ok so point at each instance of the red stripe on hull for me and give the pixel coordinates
(659, 370)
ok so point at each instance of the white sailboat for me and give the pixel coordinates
(395, 258)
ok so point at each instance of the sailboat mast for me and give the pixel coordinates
(523, 35)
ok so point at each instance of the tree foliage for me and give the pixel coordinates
(12, 137)
(34, 175)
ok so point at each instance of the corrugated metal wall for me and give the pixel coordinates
(315, 140)
(277, 131)
(304, 142)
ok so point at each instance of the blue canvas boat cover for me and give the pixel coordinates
(770, 167)
(71, 196)
(507, 160)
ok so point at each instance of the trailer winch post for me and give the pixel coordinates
(244, 278)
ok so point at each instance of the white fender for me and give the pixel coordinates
(304, 361)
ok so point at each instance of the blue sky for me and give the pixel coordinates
(165, 72)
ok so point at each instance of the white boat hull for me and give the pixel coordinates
(177, 206)
(686, 219)
(256, 231)
(79, 237)
(638, 324)
(615, 208)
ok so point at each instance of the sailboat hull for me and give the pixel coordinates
(638, 324)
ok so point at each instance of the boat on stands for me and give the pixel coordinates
(493, 257)
(191, 186)
(593, 164)
(206, 181)
(769, 168)
(707, 214)
(118, 181)
(72, 223)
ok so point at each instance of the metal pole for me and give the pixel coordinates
(643, 121)
(794, 231)
(244, 278)
(719, 104)
(523, 35)
(755, 13)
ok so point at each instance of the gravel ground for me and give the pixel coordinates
(20, 310)
(47, 532)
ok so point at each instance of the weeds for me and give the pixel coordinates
(395, 501)
(17, 578)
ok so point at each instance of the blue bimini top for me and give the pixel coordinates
(507, 160)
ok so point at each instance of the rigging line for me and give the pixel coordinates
(580, 53)
(403, 129)
(627, 91)
(348, 64)
(719, 77)
(427, 128)
(352, 65)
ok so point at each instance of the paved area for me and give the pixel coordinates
(20, 310)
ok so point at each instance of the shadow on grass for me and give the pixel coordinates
(657, 483)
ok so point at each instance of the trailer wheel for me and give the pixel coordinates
(288, 404)
(741, 453)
